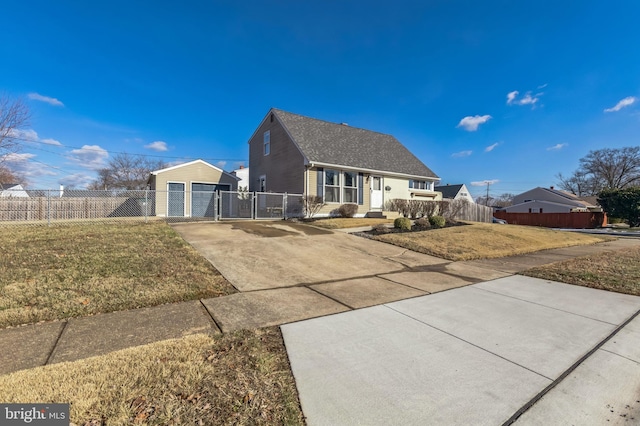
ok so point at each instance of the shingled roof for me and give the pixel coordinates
(343, 145)
(449, 191)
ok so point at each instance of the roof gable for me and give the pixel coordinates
(177, 166)
(343, 145)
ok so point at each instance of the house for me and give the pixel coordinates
(12, 190)
(342, 164)
(186, 190)
(455, 192)
(242, 173)
(548, 200)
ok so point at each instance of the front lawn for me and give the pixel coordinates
(486, 240)
(614, 271)
(58, 272)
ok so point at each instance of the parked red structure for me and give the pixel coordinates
(574, 220)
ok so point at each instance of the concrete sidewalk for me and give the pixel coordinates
(473, 355)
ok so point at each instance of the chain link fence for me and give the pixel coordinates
(46, 207)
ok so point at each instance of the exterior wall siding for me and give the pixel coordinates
(535, 207)
(283, 167)
(192, 173)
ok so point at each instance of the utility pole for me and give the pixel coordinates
(486, 200)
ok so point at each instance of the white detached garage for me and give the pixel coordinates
(187, 190)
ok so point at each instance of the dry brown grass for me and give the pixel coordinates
(239, 378)
(617, 271)
(484, 240)
(58, 272)
(354, 222)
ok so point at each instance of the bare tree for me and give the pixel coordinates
(608, 168)
(126, 171)
(14, 116)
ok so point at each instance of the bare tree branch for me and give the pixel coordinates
(126, 171)
(14, 116)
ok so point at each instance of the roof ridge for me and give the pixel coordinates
(331, 122)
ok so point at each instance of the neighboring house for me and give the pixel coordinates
(342, 164)
(12, 190)
(548, 200)
(455, 192)
(187, 189)
(243, 174)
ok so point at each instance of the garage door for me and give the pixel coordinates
(202, 199)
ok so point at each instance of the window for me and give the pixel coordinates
(331, 186)
(262, 183)
(267, 142)
(350, 188)
(420, 184)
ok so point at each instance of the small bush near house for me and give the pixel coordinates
(437, 221)
(422, 224)
(380, 228)
(402, 223)
(347, 210)
(312, 204)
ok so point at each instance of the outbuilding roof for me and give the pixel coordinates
(340, 144)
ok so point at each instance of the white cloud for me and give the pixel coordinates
(50, 141)
(491, 147)
(485, 182)
(46, 99)
(76, 180)
(542, 86)
(629, 100)
(557, 147)
(30, 135)
(471, 123)
(221, 164)
(89, 156)
(17, 157)
(527, 99)
(461, 154)
(157, 146)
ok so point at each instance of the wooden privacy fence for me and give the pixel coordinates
(573, 220)
(475, 213)
(57, 208)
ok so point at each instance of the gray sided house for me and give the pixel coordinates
(548, 200)
(301, 155)
(186, 190)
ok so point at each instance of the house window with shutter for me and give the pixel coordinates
(350, 188)
(331, 186)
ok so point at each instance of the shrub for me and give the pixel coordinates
(422, 224)
(402, 223)
(437, 221)
(380, 228)
(347, 210)
(312, 204)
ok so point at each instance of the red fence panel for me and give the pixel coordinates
(574, 220)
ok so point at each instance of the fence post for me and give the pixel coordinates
(48, 207)
(215, 206)
(284, 206)
(146, 205)
(254, 206)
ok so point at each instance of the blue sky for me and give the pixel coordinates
(513, 92)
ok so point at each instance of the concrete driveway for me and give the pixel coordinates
(287, 272)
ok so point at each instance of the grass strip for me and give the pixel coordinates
(239, 378)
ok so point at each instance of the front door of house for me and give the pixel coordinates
(376, 193)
